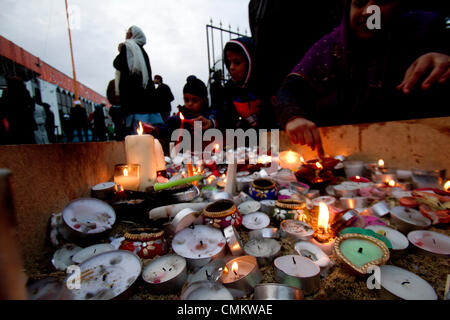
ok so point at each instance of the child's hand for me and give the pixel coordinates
(440, 71)
(302, 131)
(206, 123)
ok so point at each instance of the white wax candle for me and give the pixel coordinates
(164, 269)
(313, 252)
(140, 150)
(92, 251)
(397, 239)
(430, 241)
(326, 247)
(406, 285)
(262, 248)
(159, 156)
(256, 220)
(244, 267)
(128, 182)
(297, 266)
(297, 229)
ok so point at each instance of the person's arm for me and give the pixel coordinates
(121, 62)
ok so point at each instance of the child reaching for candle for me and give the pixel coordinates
(359, 74)
(243, 107)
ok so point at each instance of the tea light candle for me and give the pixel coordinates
(408, 219)
(430, 242)
(106, 276)
(233, 241)
(290, 160)
(272, 233)
(206, 290)
(344, 190)
(313, 252)
(296, 229)
(127, 176)
(210, 272)
(140, 150)
(103, 191)
(358, 179)
(264, 250)
(298, 272)
(329, 201)
(255, 220)
(361, 251)
(184, 219)
(398, 240)
(249, 207)
(91, 251)
(353, 203)
(241, 275)
(353, 168)
(405, 285)
(199, 244)
(267, 206)
(166, 274)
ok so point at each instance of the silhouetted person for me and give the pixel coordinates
(49, 123)
(17, 108)
(164, 97)
(99, 123)
(78, 119)
(217, 91)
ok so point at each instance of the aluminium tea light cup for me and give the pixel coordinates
(299, 272)
(344, 219)
(328, 200)
(255, 221)
(165, 275)
(221, 196)
(359, 252)
(402, 284)
(299, 188)
(264, 250)
(295, 229)
(379, 209)
(210, 272)
(398, 240)
(313, 252)
(271, 233)
(109, 275)
(407, 219)
(353, 203)
(127, 176)
(233, 241)
(313, 194)
(249, 207)
(62, 258)
(345, 190)
(276, 291)
(430, 242)
(242, 279)
(88, 217)
(267, 206)
(199, 244)
(91, 251)
(184, 219)
(353, 168)
(103, 191)
(206, 290)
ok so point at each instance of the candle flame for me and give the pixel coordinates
(120, 188)
(216, 147)
(302, 160)
(324, 216)
(447, 186)
(181, 117)
(210, 179)
(358, 177)
(391, 183)
(235, 267)
(140, 130)
(125, 172)
(226, 269)
(319, 166)
(381, 163)
(291, 157)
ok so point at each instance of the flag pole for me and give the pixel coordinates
(75, 90)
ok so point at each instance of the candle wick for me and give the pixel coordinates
(235, 272)
(207, 274)
(360, 250)
(192, 226)
(434, 241)
(405, 282)
(201, 243)
(294, 260)
(164, 269)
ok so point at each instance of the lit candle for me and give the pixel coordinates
(323, 237)
(140, 150)
(241, 275)
(380, 164)
(359, 179)
(290, 160)
(447, 186)
(353, 168)
(127, 176)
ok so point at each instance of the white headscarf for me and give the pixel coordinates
(135, 57)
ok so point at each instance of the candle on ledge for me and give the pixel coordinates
(140, 150)
(127, 176)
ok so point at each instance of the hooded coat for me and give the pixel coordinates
(344, 80)
(243, 104)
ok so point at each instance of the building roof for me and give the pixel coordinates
(46, 72)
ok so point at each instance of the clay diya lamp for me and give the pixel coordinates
(289, 209)
(221, 214)
(263, 189)
(359, 252)
(147, 243)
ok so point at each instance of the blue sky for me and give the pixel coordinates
(175, 30)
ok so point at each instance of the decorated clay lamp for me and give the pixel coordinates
(289, 209)
(147, 243)
(402, 284)
(241, 275)
(110, 275)
(323, 235)
(430, 242)
(199, 244)
(165, 275)
(299, 272)
(290, 160)
(264, 250)
(221, 214)
(263, 189)
(276, 291)
(359, 252)
(297, 230)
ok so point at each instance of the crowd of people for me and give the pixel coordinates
(305, 66)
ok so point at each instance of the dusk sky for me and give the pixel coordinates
(175, 30)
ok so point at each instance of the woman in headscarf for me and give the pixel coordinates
(360, 74)
(134, 82)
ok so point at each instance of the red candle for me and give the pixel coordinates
(359, 179)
